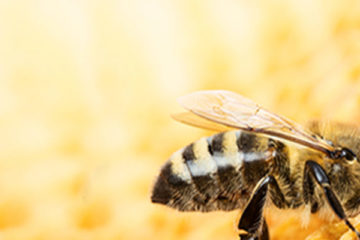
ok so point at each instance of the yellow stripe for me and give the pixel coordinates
(232, 155)
(203, 164)
(229, 143)
(179, 167)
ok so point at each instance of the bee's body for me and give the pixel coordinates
(219, 172)
(240, 169)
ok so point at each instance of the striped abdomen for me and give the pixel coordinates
(214, 173)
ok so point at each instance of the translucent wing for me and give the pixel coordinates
(235, 111)
(194, 120)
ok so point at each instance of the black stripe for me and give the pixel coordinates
(253, 171)
(188, 153)
(206, 187)
(226, 175)
(162, 191)
(167, 184)
(217, 142)
(167, 174)
(210, 149)
(246, 142)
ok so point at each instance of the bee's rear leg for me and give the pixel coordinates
(262, 233)
(313, 169)
(252, 224)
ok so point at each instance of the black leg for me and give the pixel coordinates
(262, 235)
(252, 224)
(313, 169)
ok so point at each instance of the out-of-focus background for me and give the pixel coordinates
(87, 89)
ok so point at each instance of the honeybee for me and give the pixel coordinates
(258, 158)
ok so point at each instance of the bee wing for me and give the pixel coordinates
(235, 111)
(194, 120)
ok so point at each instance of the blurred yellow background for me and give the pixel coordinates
(87, 89)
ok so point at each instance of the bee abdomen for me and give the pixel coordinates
(212, 173)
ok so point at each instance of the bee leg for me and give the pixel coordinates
(252, 224)
(263, 233)
(316, 171)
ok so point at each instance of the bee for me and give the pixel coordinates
(258, 159)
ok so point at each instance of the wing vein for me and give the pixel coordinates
(235, 111)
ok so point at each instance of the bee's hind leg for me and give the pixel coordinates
(252, 224)
(313, 169)
(262, 233)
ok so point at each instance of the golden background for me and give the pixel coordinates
(87, 88)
